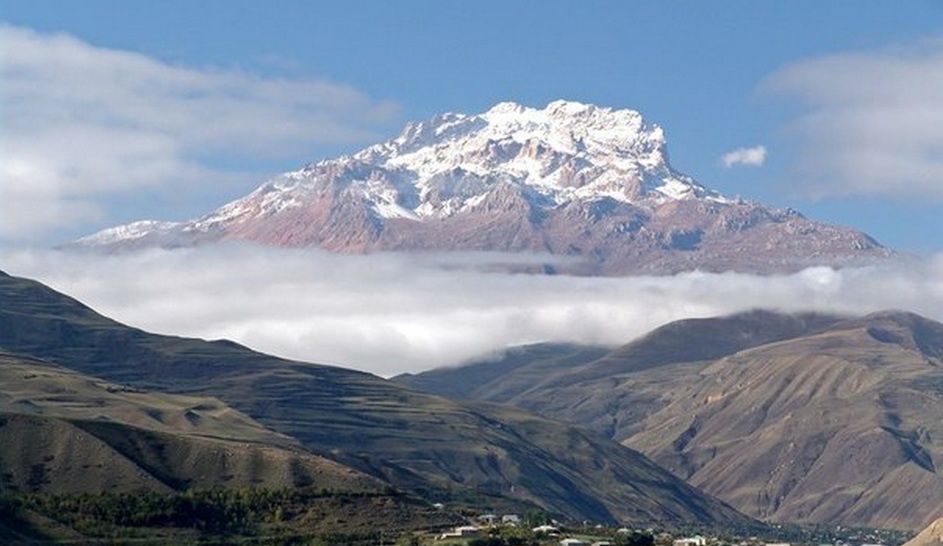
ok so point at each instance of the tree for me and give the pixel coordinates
(535, 518)
(635, 538)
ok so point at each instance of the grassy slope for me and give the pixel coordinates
(411, 439)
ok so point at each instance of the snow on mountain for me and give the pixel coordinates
(571, 178)
(128, 232)
(565, 152)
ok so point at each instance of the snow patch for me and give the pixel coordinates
(127, 232)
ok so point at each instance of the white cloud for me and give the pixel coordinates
(871, 124)
(80, 122)
(753, 157)
(390, 313)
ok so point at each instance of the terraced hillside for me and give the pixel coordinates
(66, 432)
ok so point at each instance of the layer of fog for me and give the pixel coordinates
(391, 313)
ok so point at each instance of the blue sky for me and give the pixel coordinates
(717, 75)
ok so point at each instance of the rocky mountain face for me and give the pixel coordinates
(177, 411)
(572, 180)
(791, 418)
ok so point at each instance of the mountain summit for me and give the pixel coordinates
(570, 179)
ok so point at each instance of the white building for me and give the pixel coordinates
(511, 519)
(549, 529)
(696, 540)
(465, 531)
(573, 542)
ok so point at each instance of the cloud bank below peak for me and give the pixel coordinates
(392, 313)
(82, 123)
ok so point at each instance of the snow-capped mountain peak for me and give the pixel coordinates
(566, 151)
(568, 178)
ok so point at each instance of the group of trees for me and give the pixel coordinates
(214, 511)
(239, 511)
(634, 538)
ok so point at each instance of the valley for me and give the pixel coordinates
(171, 414)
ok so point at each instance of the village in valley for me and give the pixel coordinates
(517, 530)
